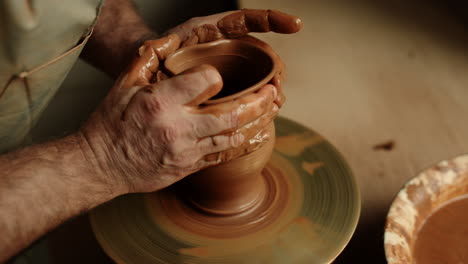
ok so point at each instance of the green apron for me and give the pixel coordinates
(40, 40)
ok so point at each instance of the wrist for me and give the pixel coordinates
(97, 172)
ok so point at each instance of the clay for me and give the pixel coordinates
(276, 204)
(244, 67)
(237, 185)
(443, 238)
(234, 186)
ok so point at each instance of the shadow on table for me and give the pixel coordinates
(366, 246)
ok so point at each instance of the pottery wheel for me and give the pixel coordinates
(308, 214)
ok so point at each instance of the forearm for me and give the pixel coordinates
(44, 185)
(118, 33)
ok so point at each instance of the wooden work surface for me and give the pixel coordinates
(363, 73)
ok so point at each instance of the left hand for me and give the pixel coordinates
(237, 24)
(231, 24)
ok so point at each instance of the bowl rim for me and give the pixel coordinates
(448, 172)
(253, 88)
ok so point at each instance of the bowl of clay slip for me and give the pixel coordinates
(428, 220)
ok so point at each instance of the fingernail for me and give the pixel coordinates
(211, 74)
(275, 93)
(239, 140)
(275, 108)
(141, 50)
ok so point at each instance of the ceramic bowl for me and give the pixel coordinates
(418, 199)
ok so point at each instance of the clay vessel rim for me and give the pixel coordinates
(233, 42)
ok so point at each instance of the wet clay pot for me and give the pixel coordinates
(236, 186)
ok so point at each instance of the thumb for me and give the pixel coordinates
(190, 88)
(144, 66)
(161, 47)
(211, 90)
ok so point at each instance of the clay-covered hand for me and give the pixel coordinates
(237, 24)
(146, 136)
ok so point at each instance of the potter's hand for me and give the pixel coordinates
(147, 136)
(237, 24)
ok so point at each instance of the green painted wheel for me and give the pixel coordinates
(320, 217)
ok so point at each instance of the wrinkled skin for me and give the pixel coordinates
(151, 131)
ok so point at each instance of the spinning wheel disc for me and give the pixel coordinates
(308, 216)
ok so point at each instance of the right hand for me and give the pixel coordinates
(146, 136)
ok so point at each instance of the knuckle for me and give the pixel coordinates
(265, 102)
(181, 160)
(169, 134)
(154, 105)
(197, 129)
(171, 159)
(195, 20)
(215, 141)
(232, 119)
(223, 157)
(236, 140)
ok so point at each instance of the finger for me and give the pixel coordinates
(189, 29)
(146, 63)
(207, 33)
(203, 34)
(202, 164)
(139, 72)
(251, 129)
(209, 125)
(254, 20)
(232, 115)
(277, 81)
(192, 40)
(159, 76)
(162, 47)
(219, 143)
(192, 87)
(143, 68)
(249, 146)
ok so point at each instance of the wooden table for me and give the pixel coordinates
(363, 73)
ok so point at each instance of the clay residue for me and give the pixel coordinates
(385, 146)
(295, 144)
(310, 167)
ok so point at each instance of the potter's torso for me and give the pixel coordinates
(40, 40)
